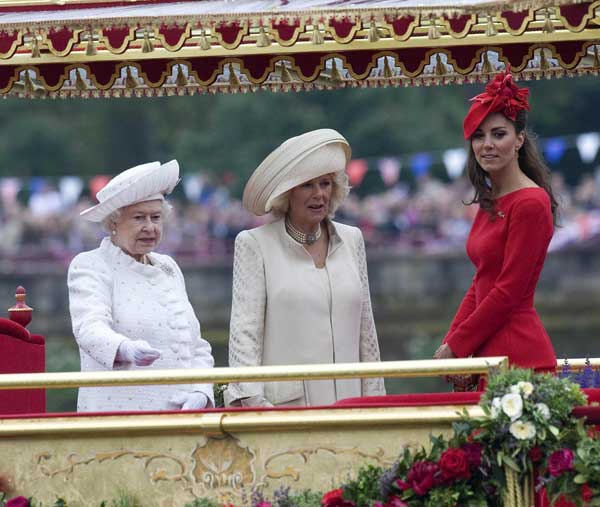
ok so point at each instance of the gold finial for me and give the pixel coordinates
(79, 82)
(130, 81)
(374, 34)
(263, 39)
(181, 79)
(317, 36)
(204, 40)
(90, 49)
(20, 312)
(147, 46)
(490, 29)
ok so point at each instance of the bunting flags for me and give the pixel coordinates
(97, 183)
(455, 161)
(197, 187)
(356, 170)
(588, 145)
(389, 170)
(554, 149)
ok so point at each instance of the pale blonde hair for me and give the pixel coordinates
(341, 188)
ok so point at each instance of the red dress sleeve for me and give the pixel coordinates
(466, 308)
(529, 233)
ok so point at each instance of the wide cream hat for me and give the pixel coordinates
(146, 182)
(296, 161)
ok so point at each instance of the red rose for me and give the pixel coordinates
(394, 501)
(421, 476)
(402, 485)
(473, 453)
(564, 501)
(536, 454)
(587, 493)
(454, 465)
(335, 498)
(18, 501)
(560, 461)
(264, 504)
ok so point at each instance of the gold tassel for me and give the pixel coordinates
(335, 75)
(234, 82)
(35, 48)
(27, 83)
(79, 82)
(147, 46)
(596, 58)
(263, 39)
(130, 81)
(544, 65)
(374, 35)
(548, 26)
(204, 40)
(181, 79)
(486, 68)
(490, 29)
(285, 76)
(317, 36)
(440, 68)
(433, 32)
(387, 70)
(90, 49)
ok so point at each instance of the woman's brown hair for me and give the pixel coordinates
(531, 163)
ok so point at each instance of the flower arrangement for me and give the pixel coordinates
(529, 417)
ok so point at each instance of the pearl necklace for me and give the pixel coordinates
(300, 236)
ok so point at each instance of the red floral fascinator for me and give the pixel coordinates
(501, 95)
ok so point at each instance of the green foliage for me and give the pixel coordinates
(202, 502)
(125, 500)
(305, 498)
(219, 390)
(364, 490)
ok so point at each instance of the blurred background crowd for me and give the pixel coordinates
(427, 217)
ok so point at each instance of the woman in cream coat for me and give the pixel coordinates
(129, 306)
(300, 285)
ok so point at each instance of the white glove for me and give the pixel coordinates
(138, 352)
(189, 401)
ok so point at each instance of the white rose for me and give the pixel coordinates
(515, 389)
(512, 405)
(543, 409)
(526, 388)
(496, 405)
(522, 430)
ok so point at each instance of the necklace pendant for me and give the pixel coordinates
(311, 238)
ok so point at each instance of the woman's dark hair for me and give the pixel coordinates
(531, 163)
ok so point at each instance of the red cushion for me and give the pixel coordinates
(18, 355)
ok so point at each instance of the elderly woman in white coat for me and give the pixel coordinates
(129, 306)
(300, 285)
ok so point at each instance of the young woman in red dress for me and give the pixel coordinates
(509, 237)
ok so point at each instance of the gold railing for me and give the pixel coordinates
(422, 368)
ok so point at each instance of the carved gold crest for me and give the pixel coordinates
(222, 462)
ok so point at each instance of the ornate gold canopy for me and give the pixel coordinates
(92, 48)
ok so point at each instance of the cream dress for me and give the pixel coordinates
(287, 311)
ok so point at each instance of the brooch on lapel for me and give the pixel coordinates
(500, 214)
(167, 269)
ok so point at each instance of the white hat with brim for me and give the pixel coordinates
(146, 182)
(296, 161)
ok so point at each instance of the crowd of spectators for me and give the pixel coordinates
(427, 219)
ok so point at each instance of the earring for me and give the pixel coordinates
(113, 232)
